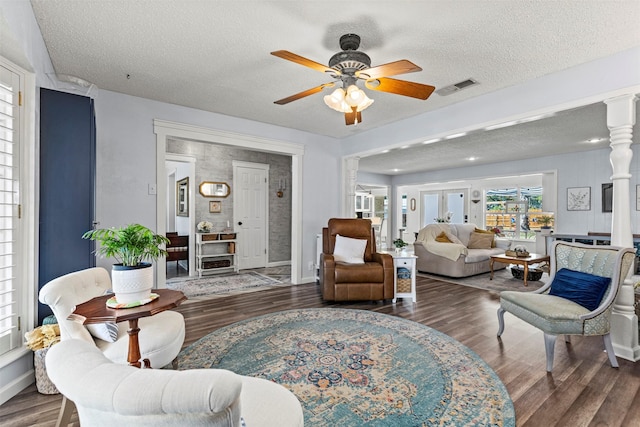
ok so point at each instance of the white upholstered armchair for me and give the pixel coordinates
(577, 299)
(108, 394)
(161, 336)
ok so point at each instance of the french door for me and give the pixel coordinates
(444, 204)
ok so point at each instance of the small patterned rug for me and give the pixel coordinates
(223, 284)
(360, 368)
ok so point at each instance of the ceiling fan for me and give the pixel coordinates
(349, 66)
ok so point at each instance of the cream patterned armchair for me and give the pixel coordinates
(108, 394)
(577, 299)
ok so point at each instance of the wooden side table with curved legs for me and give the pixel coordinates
(96, 311)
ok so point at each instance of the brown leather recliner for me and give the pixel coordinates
(340, 281)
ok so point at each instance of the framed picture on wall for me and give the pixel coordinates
(215, 206)
(579, 198)
(607, 197)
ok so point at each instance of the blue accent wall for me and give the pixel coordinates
(67, 183)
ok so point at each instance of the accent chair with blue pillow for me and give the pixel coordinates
(578, 298)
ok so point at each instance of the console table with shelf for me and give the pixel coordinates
(216, 252)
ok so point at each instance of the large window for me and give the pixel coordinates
(10, 335)
(516, 211)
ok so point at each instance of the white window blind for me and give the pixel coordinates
(10, 335)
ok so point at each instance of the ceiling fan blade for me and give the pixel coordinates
(402, 66)
(353, 118)
(289, 56)
(303, 94)
(401, 87)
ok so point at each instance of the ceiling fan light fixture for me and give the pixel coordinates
(335, 101)
(354, 96)
(343, 101)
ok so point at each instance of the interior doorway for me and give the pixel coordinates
(177, 168)
(166, 130)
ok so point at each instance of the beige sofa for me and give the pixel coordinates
(454, 259)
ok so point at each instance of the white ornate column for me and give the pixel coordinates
(349, 180)
(621, 114)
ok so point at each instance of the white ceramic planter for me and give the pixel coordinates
(132, 284)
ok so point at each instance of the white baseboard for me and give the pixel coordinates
(278, 263)
(307, 279)
(16, 386)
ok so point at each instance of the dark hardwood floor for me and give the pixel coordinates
(582, 391)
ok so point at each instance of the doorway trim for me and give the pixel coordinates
(166, 130)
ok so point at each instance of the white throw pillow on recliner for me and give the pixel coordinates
(349, 250)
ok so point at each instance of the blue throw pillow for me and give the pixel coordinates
(582, 288)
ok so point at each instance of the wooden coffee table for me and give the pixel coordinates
(524, 261)
(96, 311)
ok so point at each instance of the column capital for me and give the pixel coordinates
(621, 110)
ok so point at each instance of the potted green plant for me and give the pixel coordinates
(399, 244)
(131, 246)
(545, 223)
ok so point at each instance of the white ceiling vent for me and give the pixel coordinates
(448, 90)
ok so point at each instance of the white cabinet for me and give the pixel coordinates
(364, 202)
(216, 252)
(404, 275)
(404, 282)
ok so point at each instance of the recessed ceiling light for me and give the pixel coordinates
(501, 125)
(538, 117)
(595, 140)
(385, 151)
(404, 146)
(431, 141)
(471, 159)
(455, 135)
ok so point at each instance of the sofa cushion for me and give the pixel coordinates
(107, 331)
(479, 255)
(462, 231)
(349, 250)
(447, 237)
(582, 288)
(480, 241)
(442, 238)
(493, 241)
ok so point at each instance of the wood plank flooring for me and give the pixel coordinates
(582, 391)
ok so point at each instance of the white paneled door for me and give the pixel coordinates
(250, 213)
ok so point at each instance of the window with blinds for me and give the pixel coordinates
(10, 335)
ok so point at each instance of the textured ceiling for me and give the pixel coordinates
(214, 55)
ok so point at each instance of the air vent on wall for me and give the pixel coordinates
(448, 90)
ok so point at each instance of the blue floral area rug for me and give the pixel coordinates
(360, 368)
(223, 284)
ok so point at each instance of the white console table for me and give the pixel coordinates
(215, 247)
